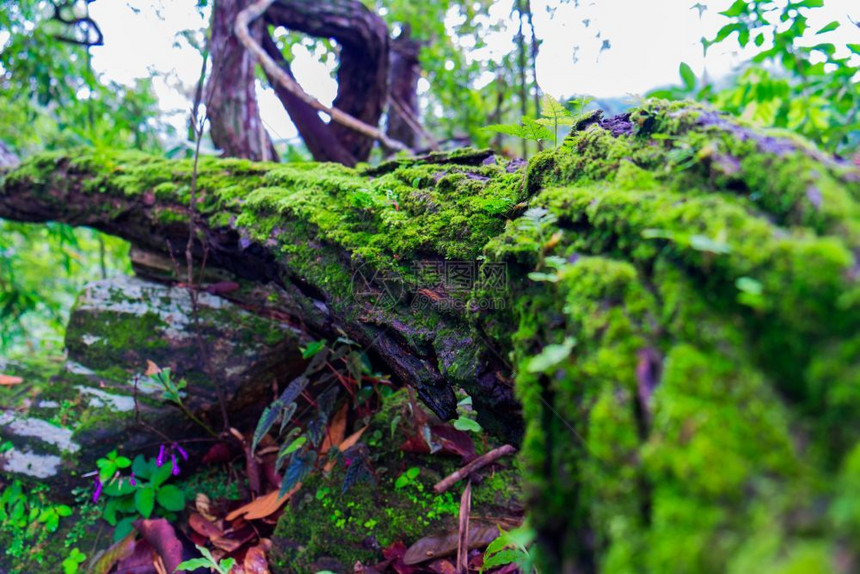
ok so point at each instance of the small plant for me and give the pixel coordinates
(71, 563)
(142, 493)
(546, 128)
(512, 547)
(466, 416)
(30, 519)
(341, 366)
(408, 478)
(222, 566)
(173, 391)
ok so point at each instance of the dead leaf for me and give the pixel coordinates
(204, 506)
(336, 430)
(151, 369)
(204, 527)
(162, 537)
(440, 545)
(119, 551)
(8, 380)
(347, 443)
(255, 561)
(394, 555)
(263, 506)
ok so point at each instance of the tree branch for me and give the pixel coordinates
(256, 10)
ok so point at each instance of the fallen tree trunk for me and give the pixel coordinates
(679, 318)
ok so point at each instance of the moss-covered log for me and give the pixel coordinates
(681, 320)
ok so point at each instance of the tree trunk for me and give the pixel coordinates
(679, 313)
(231, 100)
(403, 92)
(362, 76)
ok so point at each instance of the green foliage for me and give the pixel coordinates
(28, 519)
(72, 562)
(223, 566)
(794, 80)
(145, 495)
(512, 547)
(546, 128)
(42, 268)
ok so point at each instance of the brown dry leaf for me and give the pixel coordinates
(336, 430)
(347, 443)
(119, 551)
(255, 561)
(228, 545)
(262, 506)
(8, 380)
(440, 545)
(204, 527)
(151, 369)
(204, 506)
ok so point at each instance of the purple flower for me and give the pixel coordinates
(98, 491)
(181, 450)
(175, 470)
(132, 480)
(160, 460)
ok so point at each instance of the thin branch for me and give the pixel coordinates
(243, 21)
(412, 121)
(476, 464)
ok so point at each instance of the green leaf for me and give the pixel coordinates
(502, 557)
(736, 9)
(312, 349)
(506, 129)
(142, 468)
(551, 108)
(267, 419)
(193, 564)
(171, 498)
(467, 424)
(687, 76)
(533, 130)
(550, 356)
(109, 513)
(122, 462)
(123, 528)
(162, 473)
(144, 500)
(855, 48)
(829, 28)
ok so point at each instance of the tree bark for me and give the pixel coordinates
(362, 75)
(679, 320)
(403, 89)
(231, 100)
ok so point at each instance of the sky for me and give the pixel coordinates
(648, 38)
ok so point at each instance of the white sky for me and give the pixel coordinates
(649, 39)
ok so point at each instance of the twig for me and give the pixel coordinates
(413, 122)
(254, 11)
(476, 464)
(463, 535)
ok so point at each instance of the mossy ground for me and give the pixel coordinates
(323, 523)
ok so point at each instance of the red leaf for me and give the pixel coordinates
(162, 537)
(454, 441)
(218, 453)
(394, 554)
